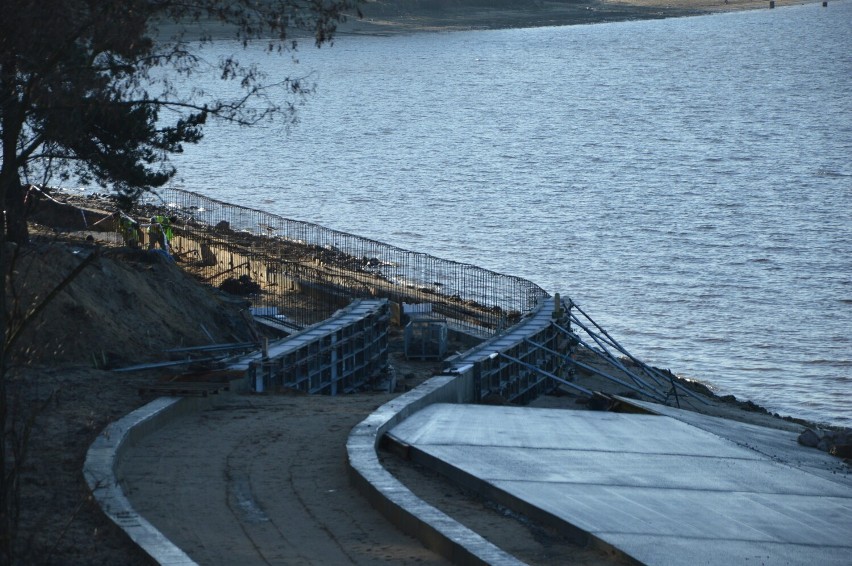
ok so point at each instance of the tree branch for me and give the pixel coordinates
(15, 334)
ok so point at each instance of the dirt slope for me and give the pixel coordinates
(125, 306)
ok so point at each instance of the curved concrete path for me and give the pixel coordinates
(116, 452)
(414, 516)
(105, 455)
(109, 459)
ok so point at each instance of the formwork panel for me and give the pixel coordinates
(342, 353)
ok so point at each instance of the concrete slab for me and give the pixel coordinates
(660, 490)
(780, 446)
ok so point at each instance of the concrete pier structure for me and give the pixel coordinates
(659, 489)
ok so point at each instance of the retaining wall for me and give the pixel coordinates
(432, 527)
(462, 384)
(295, 261)
(339, 355)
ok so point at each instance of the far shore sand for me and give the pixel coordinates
(710, 5)
(461, 17)
(400, 18)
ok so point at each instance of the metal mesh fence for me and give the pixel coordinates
(309, 271)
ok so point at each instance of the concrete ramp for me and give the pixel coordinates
(657, 489)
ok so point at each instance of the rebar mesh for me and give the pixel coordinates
(310, 271)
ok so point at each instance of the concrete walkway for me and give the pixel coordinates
(657, 488)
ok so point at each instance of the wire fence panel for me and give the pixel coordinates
(311, 271)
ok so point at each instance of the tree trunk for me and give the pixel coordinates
(16, 212)
(7, 533)
(11, 193)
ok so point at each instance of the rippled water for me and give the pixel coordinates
(687, 181)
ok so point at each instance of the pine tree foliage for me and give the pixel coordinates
(97, 89)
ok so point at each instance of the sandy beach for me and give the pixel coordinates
(386, 18)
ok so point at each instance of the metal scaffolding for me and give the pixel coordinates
(341, 354)
(311, 271)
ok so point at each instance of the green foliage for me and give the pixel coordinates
(88, 88)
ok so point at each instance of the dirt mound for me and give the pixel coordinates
(124, 306)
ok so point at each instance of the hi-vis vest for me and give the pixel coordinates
(165, 225)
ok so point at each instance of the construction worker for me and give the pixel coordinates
(129, 230)
(160, 232)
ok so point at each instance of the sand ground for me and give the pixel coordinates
(389, 18)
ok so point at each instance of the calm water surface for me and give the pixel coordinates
(688, 181)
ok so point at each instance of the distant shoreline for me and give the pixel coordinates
(401, 20)
(402, 17)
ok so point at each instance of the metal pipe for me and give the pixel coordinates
(608, 357)
(546, 374)
(675, 385)
(598, 341)
(654, 395)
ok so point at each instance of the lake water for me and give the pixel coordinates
(687, 181)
